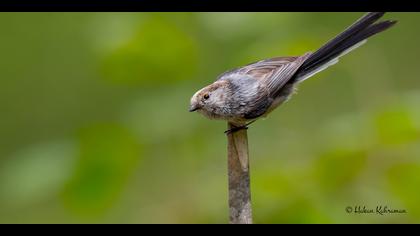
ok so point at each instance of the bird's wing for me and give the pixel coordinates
(273, 73)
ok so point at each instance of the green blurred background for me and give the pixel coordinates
(95, 128)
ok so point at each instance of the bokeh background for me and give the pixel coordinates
(95, 128)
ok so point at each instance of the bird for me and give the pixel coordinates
(244, 94)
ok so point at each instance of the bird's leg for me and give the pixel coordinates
(235, 129)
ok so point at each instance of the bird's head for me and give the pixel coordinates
(210, 100)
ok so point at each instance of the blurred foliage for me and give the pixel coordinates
(95, 127)
(108, 156)
(138, 61)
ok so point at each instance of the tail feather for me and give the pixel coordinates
(348, 40)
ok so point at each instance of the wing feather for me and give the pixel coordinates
(273, 73)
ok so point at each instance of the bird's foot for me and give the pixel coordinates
(235, 129)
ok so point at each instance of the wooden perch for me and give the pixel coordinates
(240, 211)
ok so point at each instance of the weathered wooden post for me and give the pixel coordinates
(240, 211)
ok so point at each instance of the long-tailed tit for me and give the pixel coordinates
(244, 94)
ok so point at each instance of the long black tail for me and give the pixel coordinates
(349, 39)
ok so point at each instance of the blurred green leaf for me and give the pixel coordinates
(36, 173)
(300, 211)
(108, 156)
(337, 168)
(404, 181)
(159, 53)
(395, 126)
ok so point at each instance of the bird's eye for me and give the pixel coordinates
(206, 96)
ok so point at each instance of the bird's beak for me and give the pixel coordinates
(193, 107)
(194, 103)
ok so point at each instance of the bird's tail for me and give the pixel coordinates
(351, 38)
